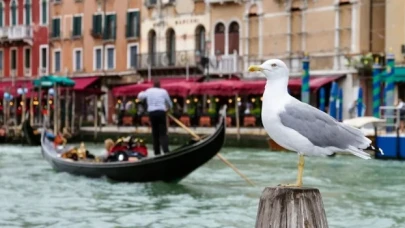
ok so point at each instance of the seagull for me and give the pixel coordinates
(300, 127)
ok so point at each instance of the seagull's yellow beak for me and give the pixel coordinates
(255, 68)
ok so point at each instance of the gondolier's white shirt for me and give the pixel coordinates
(157, 99)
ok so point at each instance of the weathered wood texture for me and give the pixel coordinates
(290, 207)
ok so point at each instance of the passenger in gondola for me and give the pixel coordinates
(132, 149)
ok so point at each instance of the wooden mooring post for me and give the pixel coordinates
(291, 207)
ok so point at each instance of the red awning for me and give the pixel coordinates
(179, 88)
(83, 83)
(175, 87)
(130, 90)
(218, 87)
(7, 86)
(294, 84)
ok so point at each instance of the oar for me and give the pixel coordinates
(218, 154)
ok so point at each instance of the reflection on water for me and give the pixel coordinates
(356, 193)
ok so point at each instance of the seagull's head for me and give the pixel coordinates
(272, 69)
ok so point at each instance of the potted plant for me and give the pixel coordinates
(128, 118)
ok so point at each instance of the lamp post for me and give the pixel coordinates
(22, 91)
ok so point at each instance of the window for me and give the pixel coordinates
(55, 27)
(110, 58)
(97, 59)
(1, 13)
(110, 27)
(27, 12)
(77, 26)
(97, 24)
(171, 46)
(1, 60)
(132, 56)
(233, 38)
(27, 58)
(13, 13)
(77, 56)
(43, 57)
(219, 44)
(57, 61)
(200, 39)
(152, 47)
(44, 12)
(13, 59)
(133, 24)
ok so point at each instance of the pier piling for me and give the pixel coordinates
(291, 207)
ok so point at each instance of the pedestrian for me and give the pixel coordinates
(157, 100)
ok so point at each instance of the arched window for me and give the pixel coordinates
(171, 46)
(233, 38)
(1, 13)
(200, 39)
(27, 12)
(13, 13)
(152, 47)
(219, 46)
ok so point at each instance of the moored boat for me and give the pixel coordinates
(169, 167)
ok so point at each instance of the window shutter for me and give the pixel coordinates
(1, 14)
(114, 26)
(44, 6)
(79, 26)
(137, 24)
(27, 13)
(128, 28)
(106, 28)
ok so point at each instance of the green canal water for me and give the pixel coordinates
(356, 193)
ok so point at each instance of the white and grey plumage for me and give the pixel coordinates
(300, 127)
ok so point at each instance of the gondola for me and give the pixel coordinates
(170, 167)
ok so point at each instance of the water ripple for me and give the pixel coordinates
(356, 193)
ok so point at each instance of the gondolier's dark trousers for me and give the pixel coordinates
(159, 131)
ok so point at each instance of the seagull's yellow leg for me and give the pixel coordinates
(301, 163)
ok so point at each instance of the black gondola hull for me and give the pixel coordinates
(170, 167)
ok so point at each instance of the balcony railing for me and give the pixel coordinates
(226, 64)
(19, 32)
(166, 59)
(223, 1)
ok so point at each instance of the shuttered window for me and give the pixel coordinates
(133, 24)
(77, 26)
(27, 8)
(1, 14)
(56, 27)
(110, 26)
(97, 24)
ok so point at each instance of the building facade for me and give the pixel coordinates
(23, 39)
(329, 31)
(99, 37)
(174, 36)
(96, 38)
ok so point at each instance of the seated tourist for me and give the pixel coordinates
(108, 145)
(59, 141)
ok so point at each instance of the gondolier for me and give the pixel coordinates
(157, 100)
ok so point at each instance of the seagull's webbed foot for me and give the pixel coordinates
(298, 183)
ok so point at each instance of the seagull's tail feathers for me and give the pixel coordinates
(358, 152)
(371, 147)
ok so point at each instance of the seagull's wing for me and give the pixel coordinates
(322, 130)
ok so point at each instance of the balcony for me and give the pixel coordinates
(223, 1)
(179, 61)
(17, 33)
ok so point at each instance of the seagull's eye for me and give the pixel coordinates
(273, 65)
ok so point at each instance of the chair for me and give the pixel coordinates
(249, 121)
(205, 121)
(145, 121)
(185, 120)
